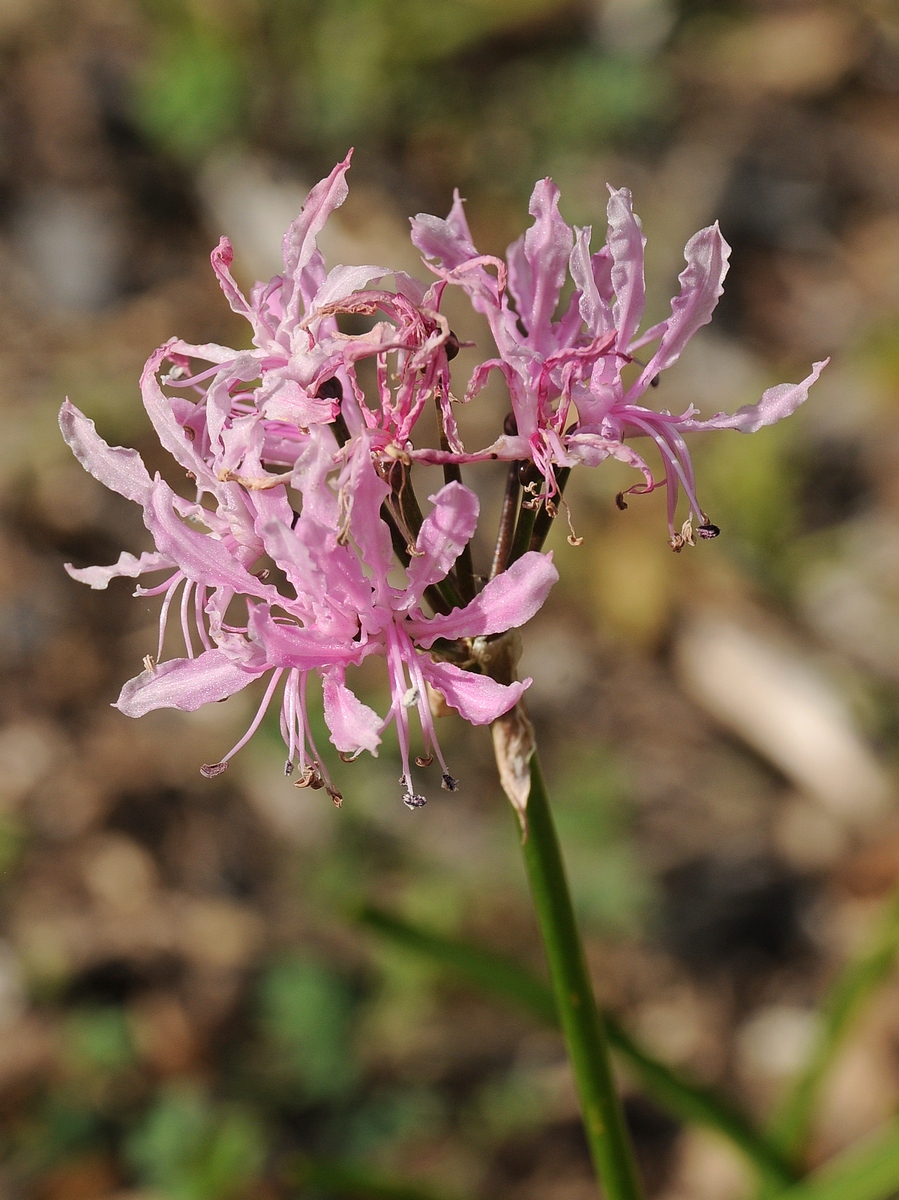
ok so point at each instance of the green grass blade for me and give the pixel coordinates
(356, 1182)
(869, 1170)
(852, 988)
(686, 1099)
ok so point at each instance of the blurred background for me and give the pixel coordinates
(186, 1000)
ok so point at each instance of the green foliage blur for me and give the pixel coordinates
(438, 86)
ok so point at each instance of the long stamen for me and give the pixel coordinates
(211, 770)
(185, 624)
(164, 611)
(199, 609)
(450, 783)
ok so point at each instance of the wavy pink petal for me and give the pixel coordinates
(183, 683)
(200, 556)
(702, 284)
(284, 645)
(445, 531)
(478, 698)
(626, 242)
(505, 603)
(299, 243)
(128, 566)
(116, 467)
(776, 403)
(353, 725)
(538, 261)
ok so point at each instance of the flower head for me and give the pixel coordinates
(301, 549)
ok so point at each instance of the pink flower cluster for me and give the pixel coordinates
(303, 549)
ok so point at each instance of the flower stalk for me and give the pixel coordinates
(582, 1026)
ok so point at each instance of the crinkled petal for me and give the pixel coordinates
(172, 435)
(366, 492)
(116, 467)
(538, 262)
(222, 257)
(353, 725)
(626, 242)
(200, 556)
(183, 683)
(505, 603)
(702, 283)
(776, 403)
(292, 646)
(478, 698)
(594, 308)
(445, 531)
(343, 281)
(448, 242)
(128, 566)
(300, 239)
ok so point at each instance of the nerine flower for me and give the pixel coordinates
(571, 399)
(283, 563)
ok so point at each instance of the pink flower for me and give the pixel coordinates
(569, 398)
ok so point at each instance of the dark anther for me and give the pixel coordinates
(288, 769)
(510, 425)
(209, 771)
(620, 501)
(449, 784)
(654, 382)
(708, 531)
(331, 389)
(452, 346)
(412, 801)
(294, 519)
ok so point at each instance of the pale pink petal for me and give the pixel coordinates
(538, 261)
(128, 566)
(161, 411)
(343, 281)
(776, 403)
(626, 242)
(284, 645)
(449, 241)
(222, 257)
(283, 399)
(702, 283)
(366, 492)
(200, 556)
(353, 725)
(595, 308)
(505, 603)
(478, 698)
(300, 239)
(119, 469)
(445, 531)
(183, 683)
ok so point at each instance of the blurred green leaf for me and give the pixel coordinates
(306, 1013)
(98, 1040)
(358, 1182)
(191, 96)
(682, 1096)
(869, 1170)
(191, 1149)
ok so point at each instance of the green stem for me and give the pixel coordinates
(684, 1097)
(581, 1025)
